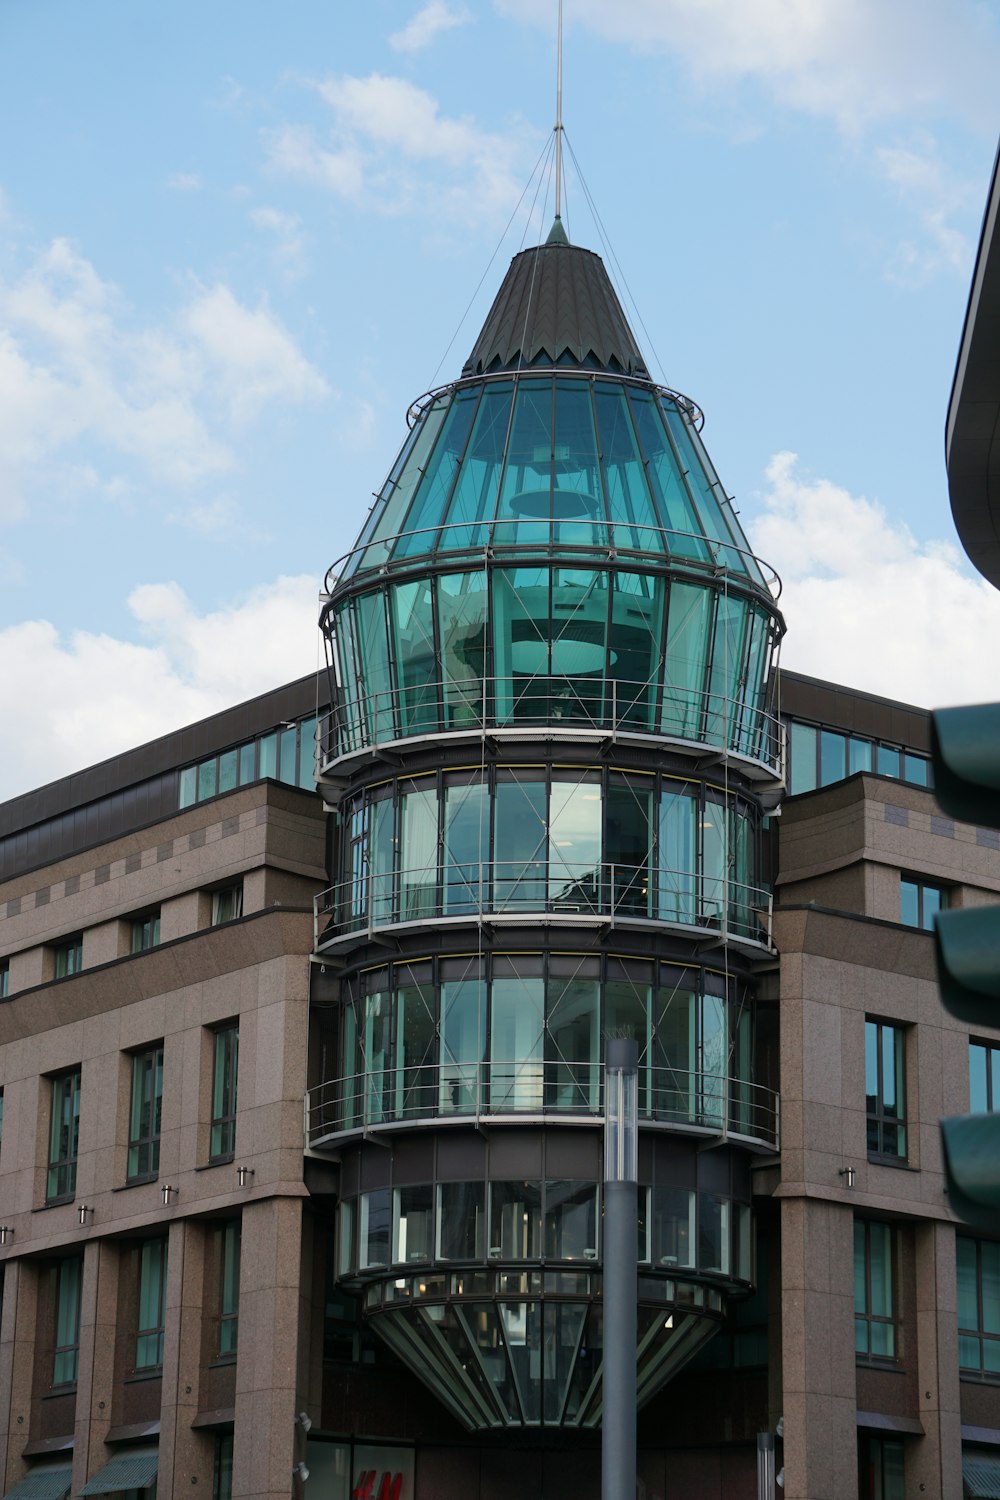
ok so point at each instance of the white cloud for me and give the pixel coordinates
(421, 30)
(104, 695)
(924, 182)
(74, 369)
(868, 605)
(185, 182)
(391, 148)
(288, 239)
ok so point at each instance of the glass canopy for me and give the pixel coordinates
(565, 461)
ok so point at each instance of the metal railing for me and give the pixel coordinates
(473, 704)
(696, 1101)
(499, 888)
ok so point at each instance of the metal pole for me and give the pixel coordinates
(618, 1464)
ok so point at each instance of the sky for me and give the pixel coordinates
(238, 239)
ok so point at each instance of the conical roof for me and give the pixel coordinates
(556, 305)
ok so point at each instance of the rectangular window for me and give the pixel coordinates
(144, 1115)
(874, 1304)
(229, 1288)
(802, 769)
(69, 957)
(4, 978)
(145, 931)
(66, 1344)
(227, 904)
(880, 1468)
(885, 1093)
(224, 1069)
(978, 1306)
(984, 1077)
(151, 1316)
(919, 902)
(64, 1136)
(222, 1481)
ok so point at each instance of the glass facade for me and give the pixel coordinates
(818, 756)
(885, 1089)
(581, 840)
(286, 753)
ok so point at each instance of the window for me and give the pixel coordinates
(144, 1116)
(984, 1077)
(69, 957)
(229, 1288)
(222, 1481)
(1, 1118)
(64, 1136)
(978, 1306)
(227, 904)
(874, 1311)
(919, 902)
(151, 1315)
(4, 978)
(819, 757)
(224, 1070)
(885, 1090)
(145, 931)
(66, 1343)
(880, 1468)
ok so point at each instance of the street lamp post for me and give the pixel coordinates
(621, 1131)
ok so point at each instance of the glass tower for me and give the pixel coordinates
(551, 751)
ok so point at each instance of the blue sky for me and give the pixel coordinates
(236, 240)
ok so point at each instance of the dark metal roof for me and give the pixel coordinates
(972, 444)
(556, 304)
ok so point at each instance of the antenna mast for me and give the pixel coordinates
(559, 123)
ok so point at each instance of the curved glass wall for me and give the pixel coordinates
(580, 841)
(521, 1034)
(582, 646)
(560, 460)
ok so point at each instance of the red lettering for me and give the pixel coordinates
(390, 1487)
(365, 1485)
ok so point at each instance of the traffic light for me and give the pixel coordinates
(965, 744)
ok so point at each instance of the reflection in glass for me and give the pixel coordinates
(688, 621)
(574, 844)
(466, 846)
(463, 1041)
(461, 1221)
(413, 1219)
(415, 1074)
(570, 1221)
(374, 1226)
(418, 853)
(461, 603)
(516, 1040)
(572, 1044)
(520, 844)
(515, 1220)
(678, 863)
(673, 1226)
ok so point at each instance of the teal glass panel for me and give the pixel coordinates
(229, 1289)
(832, 757)
(267, 748)
(570, 1228)
(227, 771)
(475, 495)
(563, 1327)
(416, 1077)
(628, 847)
(859, 755)
(751, 736)
(288, 756)
(375, 1229)
(374, 669)
(207, 779)
(578, 651)
(577, 499)
(978, 1090)
(383, 852)
(712, 1060)
(463, 1042)
(727, 669)
(933, 902)
(516, 1220)
(412, 611)
(152, 1289)
(377, 514)
(742, 892)
(880, 1270)
(187, 793)
(678, 874)
(630, 503)
(742, 1112)
(677, 514)
(573, 1045)
(708, 496)
(248, 763)
(689, 613)
(916, 769)
(714, 1243)
(675, 1095)
(351, 1070)
(525, 502)
(991, 1356)
(350, 704)
(969, 1352)
(574, 845)
(628, 1012)
(673, 1212)
(520, 846)
(461, 604)
(461, 1221)
(713, 863)
(307, 755)
(377, 1042)
(521, 643)
(990, 1257)
(887, 761)
(395, 515)
(430, 503)
(466, 847)
(67, 1332)
(516, 1044)
(418, 855)
(634, 649)
(802, 773)
(968, 1283)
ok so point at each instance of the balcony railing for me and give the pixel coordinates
(456, 1090)
(470, 705)
(501, 888)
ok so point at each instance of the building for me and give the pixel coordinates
(300, 1183)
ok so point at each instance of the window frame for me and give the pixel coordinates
(68, 956)
(925, 908)
(4, 978)
(61, 1165)
(146, 1060)
(980, 1335)
(224, 898)
(151, 1257)
(225, 1086)
(991, 1075)
(70, 1349)
(879, 1120)
(230, 1243)
(863, 1315)
(144, 931)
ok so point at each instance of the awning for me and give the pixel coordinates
(43, 1484)
(129, 1471)
(982, 1478)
